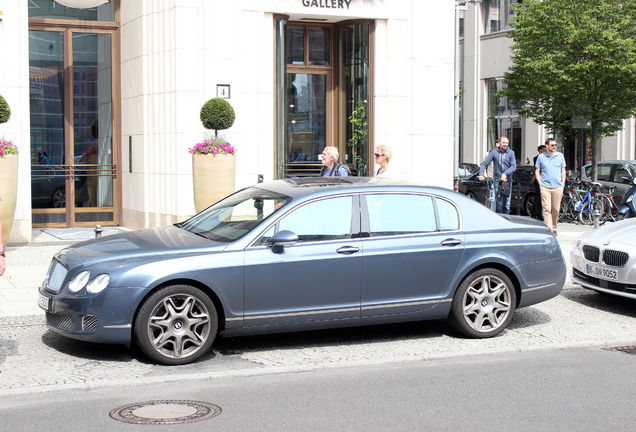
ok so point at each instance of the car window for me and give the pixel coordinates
(623, 174)
(448, 217)
(327, 219)
(236, 215)
(394, 214)
(525, 175)
(604, 171)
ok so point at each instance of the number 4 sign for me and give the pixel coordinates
(223, 91)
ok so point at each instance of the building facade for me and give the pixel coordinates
(485, 56)
(105, 97)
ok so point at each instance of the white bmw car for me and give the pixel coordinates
(604, 260)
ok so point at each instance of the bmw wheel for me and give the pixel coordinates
(176, 325)
(483, 304)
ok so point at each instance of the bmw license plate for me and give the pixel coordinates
(44, 302)
(600, 272)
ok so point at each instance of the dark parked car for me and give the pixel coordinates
(303, 254)
(617, 173)
(465, 170)
(522, 186)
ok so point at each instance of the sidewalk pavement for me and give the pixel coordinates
(27, 263)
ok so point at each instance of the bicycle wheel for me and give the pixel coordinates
(586, 215)
(567, 209)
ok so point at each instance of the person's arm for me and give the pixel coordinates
(484, 164)
(564, 175)
(3, 264)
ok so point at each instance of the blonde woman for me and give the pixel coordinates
(383, 154)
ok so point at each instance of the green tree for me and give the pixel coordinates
(575, 58)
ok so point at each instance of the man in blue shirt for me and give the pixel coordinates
(550, 173)
(504, 164)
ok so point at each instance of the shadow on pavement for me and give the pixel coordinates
(601, 301)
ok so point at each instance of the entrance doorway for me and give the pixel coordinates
(73, 148)
(323, 78)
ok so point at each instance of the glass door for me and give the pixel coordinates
(71, 98)
(307, 101)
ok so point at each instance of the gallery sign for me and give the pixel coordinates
(327, 4)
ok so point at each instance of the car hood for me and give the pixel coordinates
(621, 232)
(132, 245)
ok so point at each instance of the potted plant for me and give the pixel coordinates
(8, 176)
(213, 159)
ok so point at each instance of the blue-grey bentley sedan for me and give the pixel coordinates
(303, 254)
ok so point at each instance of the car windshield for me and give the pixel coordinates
(236, 215)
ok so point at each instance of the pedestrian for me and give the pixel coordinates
(550, 173)
(383, 154)
(537, 209)
(331, 165)
(504, 164)
(3, 264)
(45, 158)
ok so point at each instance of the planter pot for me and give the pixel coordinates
(212, 178)
(8, 193)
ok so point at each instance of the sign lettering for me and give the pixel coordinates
(327, 4)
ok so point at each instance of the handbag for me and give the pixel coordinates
(504, 189)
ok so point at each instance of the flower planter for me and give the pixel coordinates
(8, 193)
(212, 177)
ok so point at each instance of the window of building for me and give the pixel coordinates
(503, 118)
(52, 9)
(498, 13)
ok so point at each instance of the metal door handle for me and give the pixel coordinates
(451, 242)
(348, 250)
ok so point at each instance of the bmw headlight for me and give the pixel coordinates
(79, 281)
(98, 284)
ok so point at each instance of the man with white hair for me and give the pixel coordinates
(331, 165)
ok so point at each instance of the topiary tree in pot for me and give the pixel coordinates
(217, 114)
(213, 160)
(8, 176)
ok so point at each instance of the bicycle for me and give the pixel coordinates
(490, 198)
(610, 208)
(589, 205)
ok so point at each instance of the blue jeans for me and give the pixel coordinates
(502, 204)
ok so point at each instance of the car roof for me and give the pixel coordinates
(304, 186)
(631, 161)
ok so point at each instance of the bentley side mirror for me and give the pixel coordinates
(281, 239)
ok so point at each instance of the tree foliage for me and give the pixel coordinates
(217, 114)
(575, 58)
(5, 111)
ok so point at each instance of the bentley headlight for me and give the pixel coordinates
(98, 284)
(79, 281)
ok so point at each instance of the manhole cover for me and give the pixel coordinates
(164, 412)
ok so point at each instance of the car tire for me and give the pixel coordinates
(471, 195)
(483, 304)
(176, 325)
(529, 202)
(58, 198)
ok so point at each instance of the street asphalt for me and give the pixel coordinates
(34, 360)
